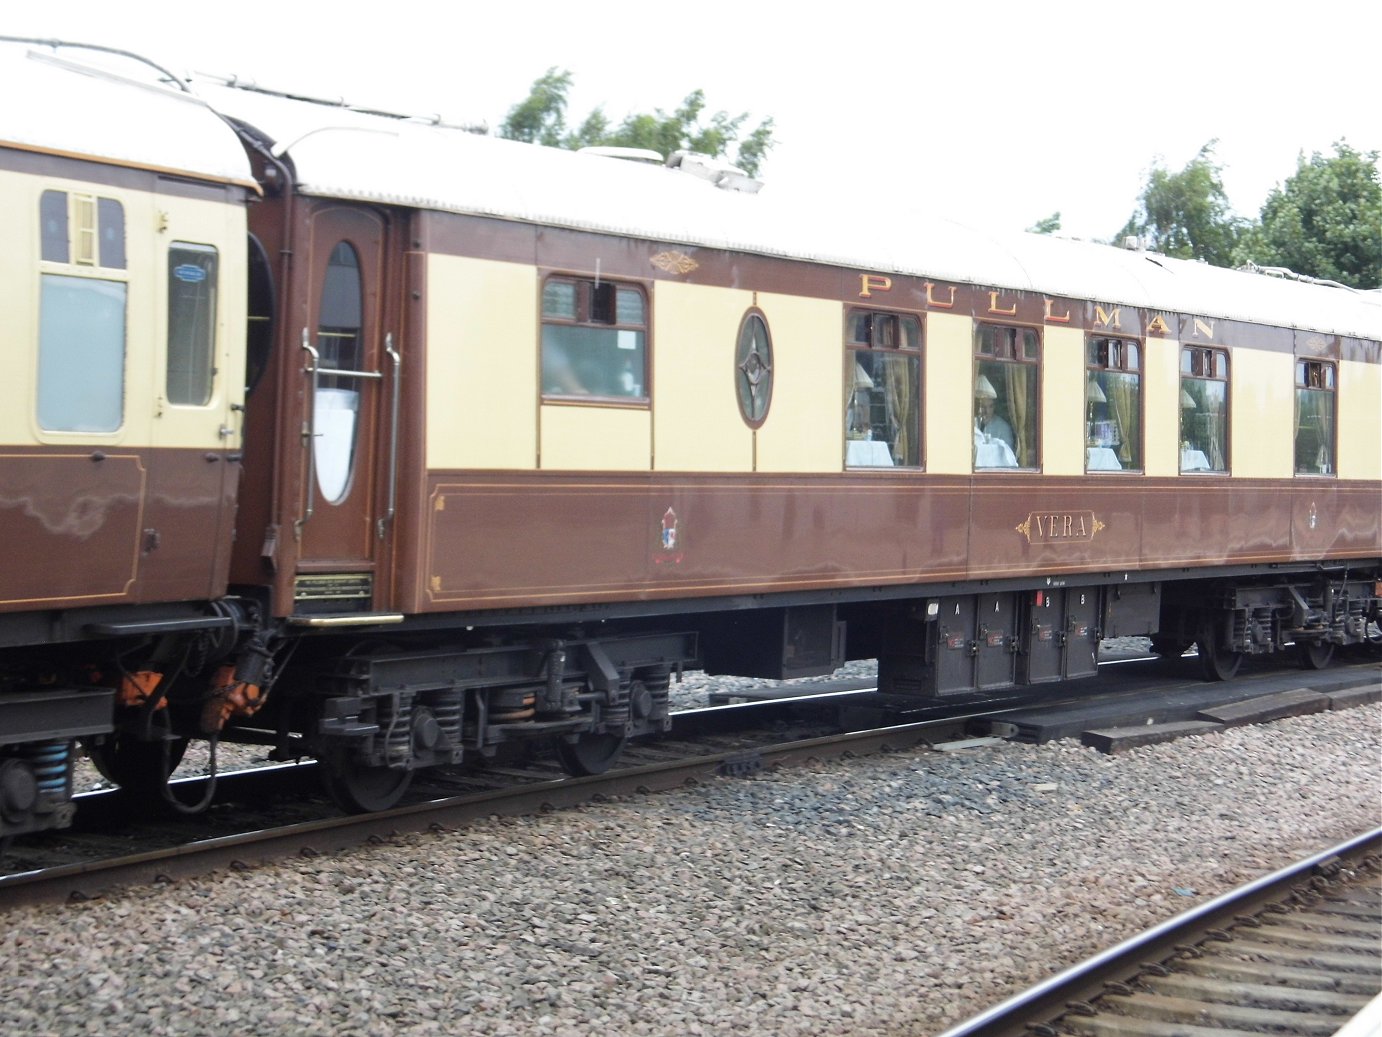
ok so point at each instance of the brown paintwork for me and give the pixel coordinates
(83, 527)
(523, 539)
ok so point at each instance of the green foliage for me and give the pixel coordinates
(1046, 225)
(1325, 221)
(1186, 214)
(541, 119)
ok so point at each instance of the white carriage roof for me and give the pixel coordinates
(66, 107)
(340, 152)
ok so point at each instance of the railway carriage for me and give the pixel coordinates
(426, 442)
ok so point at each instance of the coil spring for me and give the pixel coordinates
(447, 707)
(395, 719)
(51, 763)
(659, 685)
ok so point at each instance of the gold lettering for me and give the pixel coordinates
(993, 306)
(870, 283)
(1052, 318)
(1069, 525)
(1158, 326)
(1083, 530)
(1204, 328)
(1106, 319)
(932, 301)
(1040, 532)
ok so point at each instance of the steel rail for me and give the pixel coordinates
(1033, 1011)
(254, 849)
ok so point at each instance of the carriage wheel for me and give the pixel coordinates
(135, 764)
(1314, 655)
(360, 788)
(1217, 664)
(591, 754)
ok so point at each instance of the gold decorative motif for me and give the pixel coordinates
(674, 262)
(436, 584)
(1026, 529)
(440, 504)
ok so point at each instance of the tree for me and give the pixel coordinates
(1325, 221)
(541, 119)
(1187, 214)
(1046, 225)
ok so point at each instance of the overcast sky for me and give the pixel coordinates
(995, 113)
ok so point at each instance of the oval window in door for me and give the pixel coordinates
(337, 405)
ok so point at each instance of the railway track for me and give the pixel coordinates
(262, 815)
(1297, 952)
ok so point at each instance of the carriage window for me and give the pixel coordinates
(191, 322)
(1315, 395)
(81, 341)
(882, 390)
(1113, 404)
(81, 354)
(1006, 367)
(594, 340)
(753, 369)
(1203, 410)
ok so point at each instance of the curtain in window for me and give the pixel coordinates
(1121, 391)
(902, 408)
(1019, 411)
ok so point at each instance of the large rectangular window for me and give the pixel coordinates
(594, 340)
(1113, 405)
(1203, 409)
(191, 322)
(1315, 424)
(1006, 371)
(81, 354)
(882, 390)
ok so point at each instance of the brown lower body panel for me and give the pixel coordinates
(500, 540)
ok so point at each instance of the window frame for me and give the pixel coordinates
(202, 365)
(878, 322)
(1204, 366)
(587, 311)
(1326, 375)
(92, 233)
(1012, 333)
(1099, 360)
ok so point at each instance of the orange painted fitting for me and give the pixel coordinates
(137, 688)
(229, 698)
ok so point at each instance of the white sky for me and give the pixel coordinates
(996, 113)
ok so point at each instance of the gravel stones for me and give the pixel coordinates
(886, 895)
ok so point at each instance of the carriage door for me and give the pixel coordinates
(349, 371)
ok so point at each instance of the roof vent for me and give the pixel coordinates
(1133, 243)
(718, 172)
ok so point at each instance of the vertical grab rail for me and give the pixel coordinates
(309, 428)
(397, 362)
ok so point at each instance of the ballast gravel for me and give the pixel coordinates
(890, 895)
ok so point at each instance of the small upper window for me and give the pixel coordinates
(594, 340)
(1006, 369)
(82, 229)
(1113, 404)
(882, 390)
(1315, 396)
(1203, 409)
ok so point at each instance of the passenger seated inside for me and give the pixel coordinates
(993, 436)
